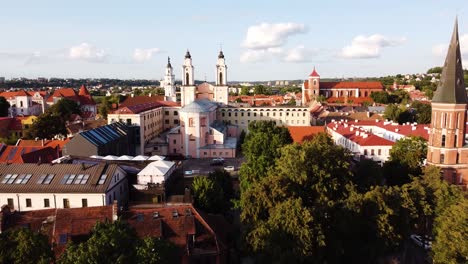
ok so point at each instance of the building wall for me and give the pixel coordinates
(283, 116)
(171, 117)
(79, 146)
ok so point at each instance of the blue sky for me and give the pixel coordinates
(262, 40)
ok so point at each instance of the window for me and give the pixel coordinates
(203, 121)
(23, 178)
(176, 113)
(63, 239)
(174, 141)
(166, 121)
(379, 152)
(84, 202)
(365, 152)
(191, 123)
(46, 203)
(11, 203)
(66, 203)
(129, 121)
(102, 179)
(455, 141)
(166, 112)
(442, 158)
(9, 178)
(28, 202)
(372, 152)
(443, 140)
(176, 121)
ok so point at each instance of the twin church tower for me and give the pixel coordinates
(188, 90)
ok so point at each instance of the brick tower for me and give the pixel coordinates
(447, 133)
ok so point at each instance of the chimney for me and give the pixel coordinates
(115, 211)
(42, 142)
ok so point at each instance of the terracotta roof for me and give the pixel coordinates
(68, 93)
(59, 170)
(136, 100)
(138, 108)
(350, 131)
(351, 100)
(46, 143)
(15, 124)
(14, 154)
(301, 133)
(83, 91)
(347, 85)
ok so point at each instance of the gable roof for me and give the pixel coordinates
(314, 73)
(15, 154)
(94, 171)
(137, 100)
(300, 134)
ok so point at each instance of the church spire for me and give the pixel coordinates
(451, 88)
(169, 62)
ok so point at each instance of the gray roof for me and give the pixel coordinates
(105, 134)
(36, 182)
(451, 87)
(199, 106)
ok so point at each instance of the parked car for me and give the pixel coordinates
(229, 168)
(217, 162)
(188, 172)
(424, 242)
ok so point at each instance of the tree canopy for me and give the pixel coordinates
(4, 105)
(260, 148)
(23, 246)
(115, 243)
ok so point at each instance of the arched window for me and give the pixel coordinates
(442, 158)
(455, 142)
(315, 82)
(187, 78)
(220, 78)
(21, 103)
(443, 140)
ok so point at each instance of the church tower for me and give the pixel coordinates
(311, 88)
(221, 92)
(169, 83)
(449, 105)
(188, 89)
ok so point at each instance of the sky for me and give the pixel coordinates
(261, 40)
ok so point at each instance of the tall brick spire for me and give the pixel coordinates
(451, 89)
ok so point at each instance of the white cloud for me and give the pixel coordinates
(300, 54)
(87, 52)
(363, 47)
(265, 35)
(142, 55)
(441, 49)
(262, 55)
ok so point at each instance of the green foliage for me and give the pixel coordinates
(260, 149)
(155, 250)
(435, 70)
(423, 112)
(392, 112)
(380, 97)
(292, 102)
(245, 90)
(65, 108)
(22, 246)
(287, 213)
(208, 194)
(321, 98)
(239, 100)
(451, 234)
(47, 125)
(367, 174)
(115, 243)
(11, 140)
(411, 152)
(104, 107)
(4, 105)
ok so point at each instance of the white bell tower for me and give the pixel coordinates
(188, 83)
(169, 83)
(221, 92)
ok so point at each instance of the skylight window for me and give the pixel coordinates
(23, 178)
(81, 179)
(9, 178)
(48, 179)
(102, 179)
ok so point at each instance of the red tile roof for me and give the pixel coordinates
(136, 100)
(43, 143)
(14, 154)
(135, 109)
(348, 85)
(300, 134)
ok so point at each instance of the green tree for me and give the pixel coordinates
(435, 70)
(104, 107)
(65, 108)
(392, 112)
(411, 152)
(245, 90)
(109, 243)
(367, 174)
(451, 234)
(292, 102)
(260, 148)
(156, 251)
(380, 97)
(4, 105)
(289, 213)
(47, 125)
(423, 112)
(23, 246)
(208, 194)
